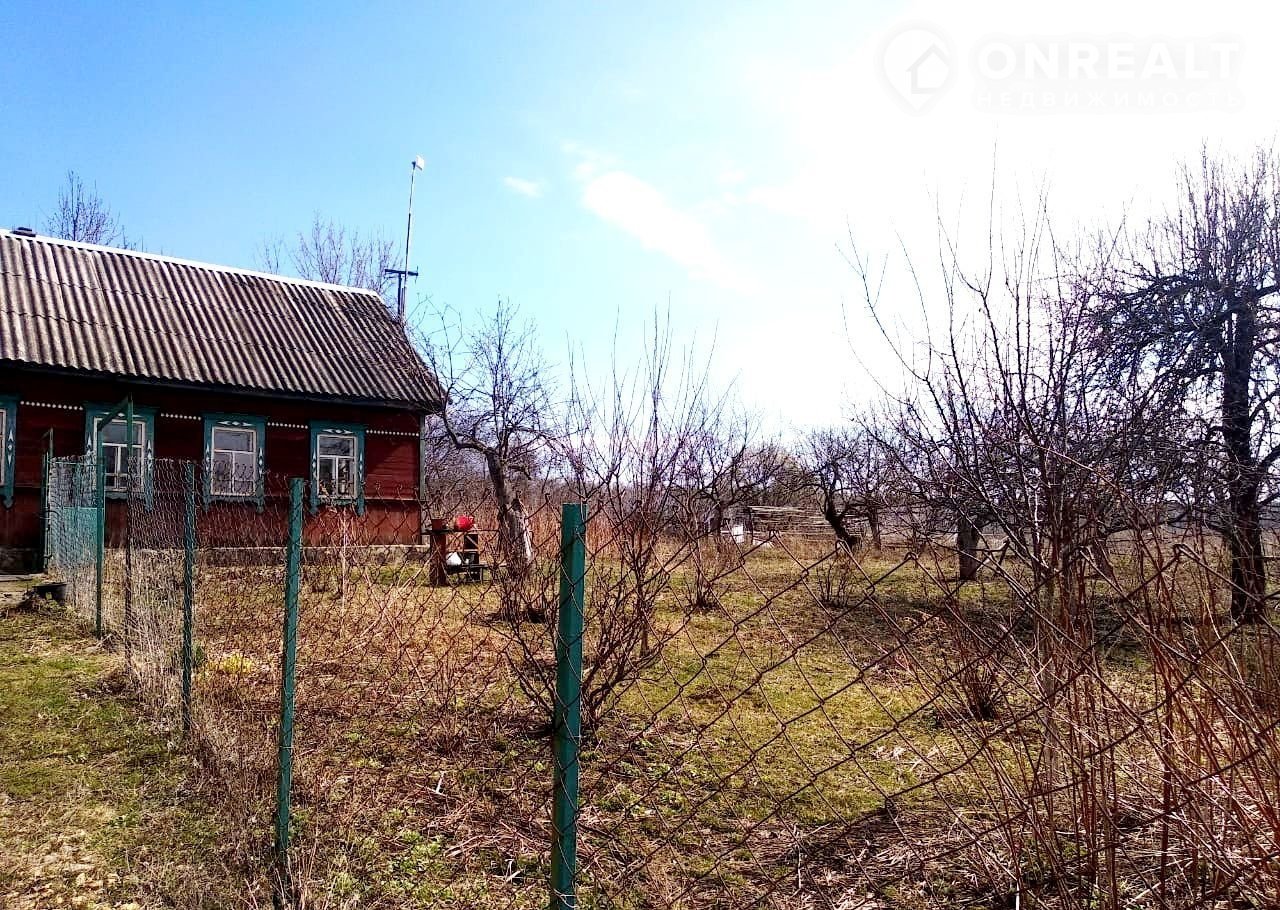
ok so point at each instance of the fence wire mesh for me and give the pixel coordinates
(773, 723)
(71, 529)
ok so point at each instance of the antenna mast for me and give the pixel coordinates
(403, 275)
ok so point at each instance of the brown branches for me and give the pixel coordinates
(335, 254)
(1192, 300)
(499, 392)
(81, 214)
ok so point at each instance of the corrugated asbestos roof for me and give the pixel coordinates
(136, 315)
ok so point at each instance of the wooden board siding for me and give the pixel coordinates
(56, 402)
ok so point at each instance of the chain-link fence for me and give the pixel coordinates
(778, 724)
(71, 531)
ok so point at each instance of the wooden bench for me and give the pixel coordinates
(470, 568)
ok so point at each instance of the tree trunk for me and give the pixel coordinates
(513, 528)
(1248, 566)
(1101, 558)
(873, 525)
(967, 547)
(835, 518)
(717, 520)
(1244, 536)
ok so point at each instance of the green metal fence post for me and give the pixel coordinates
(288, 669)
(127, 620)
(100, 469)
(100, 472)
(44, 513)
(567, 729)
(188, 592)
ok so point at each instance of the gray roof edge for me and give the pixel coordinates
(432, 405)
(193, 263)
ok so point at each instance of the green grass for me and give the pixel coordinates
(95, 811)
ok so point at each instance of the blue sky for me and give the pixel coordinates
(591, 162)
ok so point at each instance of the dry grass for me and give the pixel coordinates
(906, 744)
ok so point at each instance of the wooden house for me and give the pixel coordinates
(253, 377)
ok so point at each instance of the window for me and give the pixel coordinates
(118, 464)
(8, 426)
(235, 462)
(336, 470)
(233, 457)
(337, 465)
(113, 439)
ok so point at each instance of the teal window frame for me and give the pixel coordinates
(328, 428)
(9, 405)
(146, 416)
(236, 422)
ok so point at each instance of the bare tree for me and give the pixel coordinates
(780, 476)
(726, 467)
(1014, 422)
(853, 471)
(334, 254)
(453, 479)
(498, 393)
(1194, 312)
(81, 214)
(828, 459)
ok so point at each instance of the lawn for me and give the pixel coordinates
(96, 806)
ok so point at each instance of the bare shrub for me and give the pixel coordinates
(839, 585)
(704, 580)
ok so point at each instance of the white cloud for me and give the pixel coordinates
(531, 188)
(844, 159)
(641, 210)
(731, 176)
(590, 161)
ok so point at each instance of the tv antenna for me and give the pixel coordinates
(403, 275)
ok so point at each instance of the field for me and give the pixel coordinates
(793, 728)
